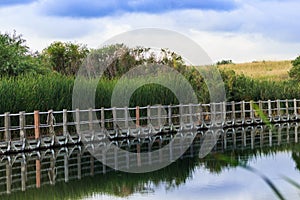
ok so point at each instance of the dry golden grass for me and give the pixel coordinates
(263, 70)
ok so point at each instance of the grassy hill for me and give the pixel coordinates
(263, 70)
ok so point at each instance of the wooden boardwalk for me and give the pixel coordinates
(30, 131)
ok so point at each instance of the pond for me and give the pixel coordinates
(251, 162)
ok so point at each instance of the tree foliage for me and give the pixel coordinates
(295, 71)
(64, 58)
(15, 57)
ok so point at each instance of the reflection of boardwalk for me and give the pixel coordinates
(36, 168)
(29, 131)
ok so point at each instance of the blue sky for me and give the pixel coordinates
(226, 29)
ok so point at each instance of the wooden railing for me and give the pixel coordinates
(28, 131)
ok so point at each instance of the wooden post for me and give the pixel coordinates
(148, 115)
(36, 124)
(38, 173)
(191, 114)
(114, 113)
(233, 110)
(159, 115)
(170, 115)
(137, 114)
(102, 118)
(243, 111)
(269, 108)
(181, 114)
(91, 122)
(260, 107)
(295, 108)
(224, 111)
(65, 122)
(22, 126)
(278, 107)
(7, 134)
(126, 117)
(201, 116)
(251, 110)
(287, 107)
(77, 114)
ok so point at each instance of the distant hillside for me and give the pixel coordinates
(263, 70)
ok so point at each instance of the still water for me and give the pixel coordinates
(246, 163)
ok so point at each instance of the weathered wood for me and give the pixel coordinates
(159, 115)
(278, 107)
(126, 117)
(77, 118)
(233, 110)
(169, 115)
(102, 118)
(36, 124)
(137, 116)
(114, 113)
(65, 122)
(22, 126)
(7, 134)
(91, 121)
(269, 108)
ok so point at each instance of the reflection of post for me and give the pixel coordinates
(270, 137)
(78, 165)
(23, 174)
(66, 167)
(8, 177)
(103, 162)
(244, 136)
(138, 155)
(296, 134)
(92, 161)
(38, 173)
(51, 171)
(252, 138)
(261, 134)
(279, 135)
(160, 151)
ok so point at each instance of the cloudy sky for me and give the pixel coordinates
(226, 29)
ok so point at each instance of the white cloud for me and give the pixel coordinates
(256, 30)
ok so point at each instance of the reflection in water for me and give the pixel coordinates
(73, 173)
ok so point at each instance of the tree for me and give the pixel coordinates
(295, 71)
(65, 58)
(15, 57)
